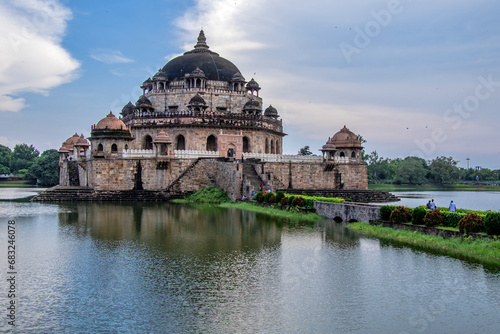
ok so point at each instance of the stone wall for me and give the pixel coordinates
(314, 175)
(348, 212)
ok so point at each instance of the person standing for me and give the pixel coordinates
(452, 207)
(433, 205)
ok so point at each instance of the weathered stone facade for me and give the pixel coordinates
(200, 123)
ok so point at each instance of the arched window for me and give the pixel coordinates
(162, 86)
(266, 148)
(246, 145)
(100, 148)
(342, 154)
(147, 143)
(211, 143)
(126, 146)
(278, 150)
(353, 155)
(272, 147)
(181, 143)
(114, 148)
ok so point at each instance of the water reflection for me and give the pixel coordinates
(173, 227)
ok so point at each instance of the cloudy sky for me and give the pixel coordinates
(412, 77)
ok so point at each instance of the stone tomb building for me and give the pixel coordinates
(200, 123)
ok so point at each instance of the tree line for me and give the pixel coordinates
(27, 162)
(415, 170)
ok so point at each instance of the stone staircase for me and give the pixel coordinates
(84, 194)
(171, 186)
(252, 180)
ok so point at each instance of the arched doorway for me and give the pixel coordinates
(100, 148)
(266, 149)
(180, 143)
(114, 148)
(212, 143)
(147, 143)
(272, 147)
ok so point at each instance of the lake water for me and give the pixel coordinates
(167, 268)
(474, 200)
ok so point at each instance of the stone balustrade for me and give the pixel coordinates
(138, 153)
(192, 154)
(282, 157)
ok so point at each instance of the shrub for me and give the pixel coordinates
(290, 200)
(259, 197)
(472, 223)
(309, 203)
(418, 215)
(451, 219)
(400, 215)
(385, 211)
(298, 201)
(433, 218)
(492, 223)
(271, 199)
(267, 196)
(284, 201)
(209, 195)
(279, 196)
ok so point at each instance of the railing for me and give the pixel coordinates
(181, 154)
(191, 154)
(138, 153)
(292, 158)
(282, 157)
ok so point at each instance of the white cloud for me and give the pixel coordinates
(427, 58)
(108, 56)
(10, 143)
(32, 59)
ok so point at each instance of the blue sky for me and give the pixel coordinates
(412, 77)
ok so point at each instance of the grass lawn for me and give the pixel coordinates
(486, 251)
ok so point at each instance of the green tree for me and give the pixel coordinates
(22, 157)
(5, 156)
(305, 151)
(444, 170)
(379, 169)
(412, 170)
(46, 168)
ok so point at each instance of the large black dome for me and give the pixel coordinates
(214, 66)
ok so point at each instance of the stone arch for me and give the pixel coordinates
(211, 143)
(278, 150)
(147, 142)
(342, 154)
(180, 143)
(126, 146)
(338, 219)
(100, 148)
(266, 146)
(272, 147)
(246, 145)
(353, 155)
(114, 148)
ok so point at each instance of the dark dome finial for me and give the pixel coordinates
(202, 41)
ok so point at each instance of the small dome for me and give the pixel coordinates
(82, 141)
(70, 142)
(237, 77)
(110, 122)
(252, 106)
(345, 138)
(128, 109)
(143, 101)
(198, 73)
(197, 100)
(252, 85)
(160, 75)
(162, 138)
(271, 111)
(63, 149)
